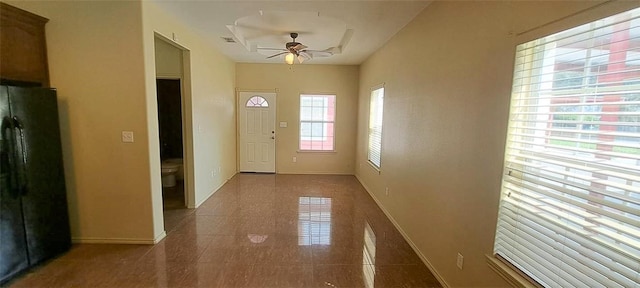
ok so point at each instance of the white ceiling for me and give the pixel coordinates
(354, 29)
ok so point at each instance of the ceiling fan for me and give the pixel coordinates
(295, 50)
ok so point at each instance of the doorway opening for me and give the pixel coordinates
(171, 155)
(174, 130)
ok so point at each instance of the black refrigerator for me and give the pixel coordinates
(34, 222)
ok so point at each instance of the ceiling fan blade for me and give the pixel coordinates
(278, 54)
(303, 56)
(299, 47)
(270, 49)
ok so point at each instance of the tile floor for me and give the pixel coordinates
(256, 231)
(173, 197)
(173, 206)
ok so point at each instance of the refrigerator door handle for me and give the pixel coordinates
(7, 156)
(22, 170)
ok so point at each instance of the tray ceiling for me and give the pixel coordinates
(352, 29)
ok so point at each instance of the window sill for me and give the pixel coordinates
(318, 151)
(374, 167)
(507, 273)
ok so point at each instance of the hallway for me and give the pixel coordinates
(258, 230)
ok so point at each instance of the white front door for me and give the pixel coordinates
(257, 113)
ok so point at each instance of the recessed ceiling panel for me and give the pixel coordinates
(359, 28)
(272, 29)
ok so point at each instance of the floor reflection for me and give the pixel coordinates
(257, 231)
(369, 256)
(314, 221)
(257, 239)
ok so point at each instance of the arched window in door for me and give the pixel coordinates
(257, 101)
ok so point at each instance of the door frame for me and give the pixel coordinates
(238, 106)
(187, 119)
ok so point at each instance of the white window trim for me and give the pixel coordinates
(507, 273)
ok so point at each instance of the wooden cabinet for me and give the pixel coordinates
(23, 51)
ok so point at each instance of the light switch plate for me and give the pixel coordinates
(283, 124)
(127, 136)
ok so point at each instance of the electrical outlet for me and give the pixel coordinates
(295, 159)
(460, 261)
(386, 191)
(127, 136)
(213, 173)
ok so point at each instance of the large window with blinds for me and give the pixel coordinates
(570, 203)
(375, 126)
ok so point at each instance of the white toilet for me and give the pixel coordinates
(171, 170)
(180, 172)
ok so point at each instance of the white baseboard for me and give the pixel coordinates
(92, 240)
(159, 237)
(314, 173)
(213, 191)
(424, 259)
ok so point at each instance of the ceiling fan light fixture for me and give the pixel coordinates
(289, 58)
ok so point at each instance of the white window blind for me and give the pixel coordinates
(375, 126)
(570, 203)
(317, 117)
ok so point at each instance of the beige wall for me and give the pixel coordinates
(96, 63)
(168, 59)
(446, 108)
(291, 81)
(209, 108)
(102, 61)
(445, 118)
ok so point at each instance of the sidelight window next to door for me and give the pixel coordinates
(317, 119)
